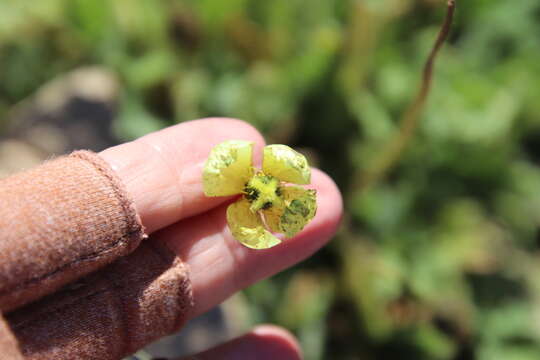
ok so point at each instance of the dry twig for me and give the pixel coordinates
(410, 120)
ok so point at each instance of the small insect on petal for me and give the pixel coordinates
(228, 168)
(301, 207)
(286, 164)
(248, 228)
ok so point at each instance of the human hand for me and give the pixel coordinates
(163, 171)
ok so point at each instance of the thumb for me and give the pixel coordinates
(265, 342)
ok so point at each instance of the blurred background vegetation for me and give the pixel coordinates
(438, 260)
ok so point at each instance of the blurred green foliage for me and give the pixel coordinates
(439, 260)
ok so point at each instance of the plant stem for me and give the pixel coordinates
(411, 118)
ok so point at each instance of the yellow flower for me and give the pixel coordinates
(267, 205)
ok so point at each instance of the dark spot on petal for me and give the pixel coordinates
(298, 207)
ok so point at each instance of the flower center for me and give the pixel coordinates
(262, 191)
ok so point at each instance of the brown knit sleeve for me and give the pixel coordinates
(74, 282)
(111, 313)
(60, 221)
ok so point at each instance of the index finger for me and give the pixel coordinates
(162, 171)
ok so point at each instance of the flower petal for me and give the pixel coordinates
(301, 207)
(286, 164)
(248, 228)
(228, 168)
(272, 217)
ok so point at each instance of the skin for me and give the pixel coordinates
(265, 342)
(162, 172)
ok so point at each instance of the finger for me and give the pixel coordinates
(264, 342)
(162, 171)
(220, 265)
